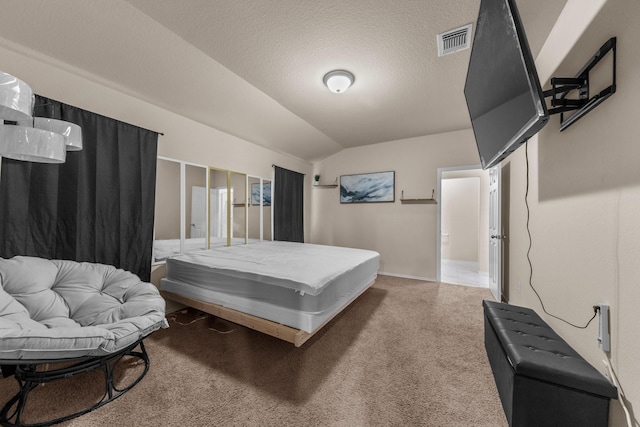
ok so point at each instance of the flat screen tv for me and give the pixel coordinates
(505, 101)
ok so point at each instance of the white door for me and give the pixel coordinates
(495, 234)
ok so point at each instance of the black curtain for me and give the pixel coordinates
(288, 209)
(98, 206)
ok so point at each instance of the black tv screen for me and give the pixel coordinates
(503, 93)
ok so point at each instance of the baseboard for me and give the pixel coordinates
(405, 276)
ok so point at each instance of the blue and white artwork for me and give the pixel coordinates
(266, 194)
(367, 187)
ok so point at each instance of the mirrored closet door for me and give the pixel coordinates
(180, 211)
(219, 208)
(200, 207)
(238, 188)
(266, 210)
(259, 210)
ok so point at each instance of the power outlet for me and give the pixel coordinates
(604, 339)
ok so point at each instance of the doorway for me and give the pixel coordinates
(463, 224)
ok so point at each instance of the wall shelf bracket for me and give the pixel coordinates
(419, 201)
(317, 184)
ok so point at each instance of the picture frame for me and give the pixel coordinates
(376, 187)
(266, 194)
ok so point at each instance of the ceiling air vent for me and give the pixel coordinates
(454, 40)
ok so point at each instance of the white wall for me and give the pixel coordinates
(584, 199)
(403, 234)
(460, 219)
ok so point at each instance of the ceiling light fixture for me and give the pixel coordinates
(32, 145)
(16, 98)
(72, 132)
(338, 81)
(23, 137)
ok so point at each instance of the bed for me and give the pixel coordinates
(285, 289)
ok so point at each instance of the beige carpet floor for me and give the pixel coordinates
(405, 353)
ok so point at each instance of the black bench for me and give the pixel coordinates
(541, 380)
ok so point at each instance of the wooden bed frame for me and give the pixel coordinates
(295, 336)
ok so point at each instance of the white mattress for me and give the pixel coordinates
(296, 284)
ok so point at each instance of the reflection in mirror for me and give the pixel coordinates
(195, 208)
(218, 196)
(253, 210)
(239, 208)
(266, 209)
(167, 216)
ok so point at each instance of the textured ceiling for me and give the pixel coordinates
(254, 68)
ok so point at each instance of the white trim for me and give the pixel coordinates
(182, 161)
(183, 208)
(405, 276)
(273, 189)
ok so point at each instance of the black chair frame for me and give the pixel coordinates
(28, 377)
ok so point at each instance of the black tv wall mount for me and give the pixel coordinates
(562, 86)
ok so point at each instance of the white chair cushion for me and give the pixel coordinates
(55, 309)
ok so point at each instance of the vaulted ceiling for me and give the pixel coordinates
(254, 68)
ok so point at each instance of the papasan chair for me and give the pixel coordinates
(89, 315)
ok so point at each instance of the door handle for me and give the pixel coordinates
(497, 236)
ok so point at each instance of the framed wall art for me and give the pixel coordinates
(368, 187)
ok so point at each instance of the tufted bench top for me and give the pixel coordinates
(56, 309)
(536, 351)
